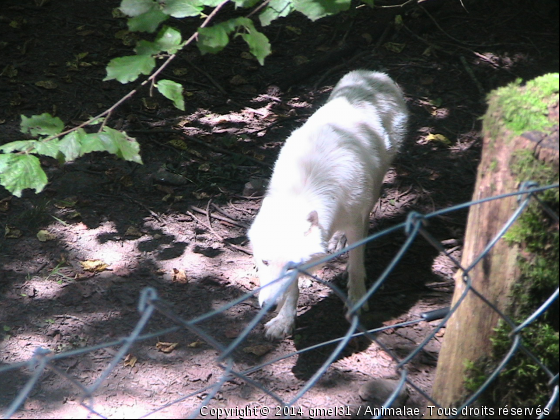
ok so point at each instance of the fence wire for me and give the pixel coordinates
(414, 227)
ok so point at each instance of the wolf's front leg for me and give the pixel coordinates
(283, 324)
(356, 267)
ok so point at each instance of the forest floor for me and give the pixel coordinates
(178, 222)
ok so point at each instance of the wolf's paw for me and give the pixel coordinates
(279, 327)
(355, 295)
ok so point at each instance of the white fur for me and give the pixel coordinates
(327, 178)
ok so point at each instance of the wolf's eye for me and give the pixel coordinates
(266, 262)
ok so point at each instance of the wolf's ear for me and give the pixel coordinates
(313, 219)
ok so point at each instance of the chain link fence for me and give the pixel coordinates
(414, 227)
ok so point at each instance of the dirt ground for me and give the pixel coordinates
(178, 222)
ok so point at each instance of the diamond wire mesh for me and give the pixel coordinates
(414, 227)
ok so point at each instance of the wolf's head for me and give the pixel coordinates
(280, 235)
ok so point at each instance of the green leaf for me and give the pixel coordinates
(126, 69)
(147, 22)
(92, 143)
(257, 41)
(214, 39)
(128, 147)
(97, 121)
(18, 172)
(113, 141)
(173, 91)
(182, 8)
(21, 171)
(210, 3)
(44, 124)
(316, 9)
(19, 145)
(144, 47)
(169, 39)
(137, 7)
(275, 10)
(245, 3)
(146, 15)
(47, 148)
(71, 145)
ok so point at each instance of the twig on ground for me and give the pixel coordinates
(331, 70)
(190, 213)
(445, 33)
(210, 222)
(154, 214)
(247, 197)
(210, 78)
(272, 124)
(219, 149)
(428, 43)
(473, 77)
(200, 142)
(227, 216)
(209, 227)
(217, 216)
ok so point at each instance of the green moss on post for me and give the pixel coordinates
(521, 271)
(522, 108)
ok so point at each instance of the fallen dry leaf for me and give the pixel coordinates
(5, 204)
(67, 202)
(83, 276)
(165, 189)
(9, 71)
(195, 344)
(179, 276)
(237, 80)
(150, 104)
(258, 350)
(166, 347)
(85, 33)
(438, 138)
(94, 265)
(12, 233)
(300, 59)
(233, 332)
(180, 71)
(394, 46)
(133, 231)
(200, 195)
(130, 360)
(47, 84)
(368, 38)
(73, 214)
(293, 29)
(44, 236)
(178, 143)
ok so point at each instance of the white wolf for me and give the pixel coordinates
(327, 179)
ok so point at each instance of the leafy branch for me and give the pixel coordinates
(21, 169)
